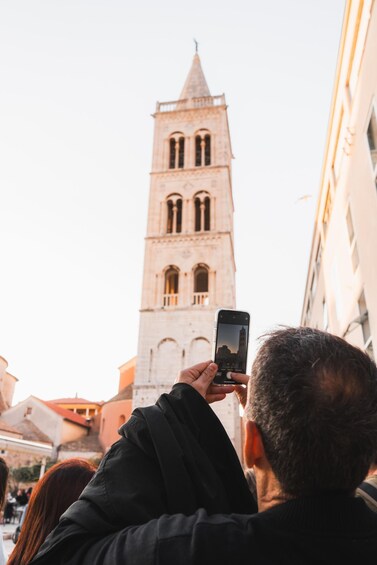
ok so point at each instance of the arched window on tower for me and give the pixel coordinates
(181, 152)
(207, 150)
(174, 214)
(179, 216)
(170, 297)
(197, 213)
(202, 205)
(202, 149)
(169, 227)
(207, 213)
(176, 151)
(201, 294)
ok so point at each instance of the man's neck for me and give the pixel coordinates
(269, 491)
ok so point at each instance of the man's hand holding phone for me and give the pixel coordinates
(201, 376)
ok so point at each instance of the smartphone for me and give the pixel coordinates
(231, 338)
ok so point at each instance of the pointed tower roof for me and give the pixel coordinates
(196, 84)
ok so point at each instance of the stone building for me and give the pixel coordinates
(117, 410)
(340, 294)
(58, 424)
(189, 267)
(24, 444)
(85, 408)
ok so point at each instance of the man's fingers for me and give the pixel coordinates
(240, 378)
(208, 374)
(200, 367)
(221, 389)
(192, 374)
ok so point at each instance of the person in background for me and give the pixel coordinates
(21, 497)
(53, 494)
(9, 508)
(4, 472)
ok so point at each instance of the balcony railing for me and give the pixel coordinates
(189, 103)
(170, 299)
(201, 298)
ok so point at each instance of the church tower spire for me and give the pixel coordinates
(189, 268)
(196, 84)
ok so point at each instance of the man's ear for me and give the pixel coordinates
(253, 449)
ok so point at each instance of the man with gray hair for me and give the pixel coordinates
(311, 435)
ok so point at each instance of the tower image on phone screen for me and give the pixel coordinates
(231, 348)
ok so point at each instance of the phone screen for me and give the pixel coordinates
(232, 337)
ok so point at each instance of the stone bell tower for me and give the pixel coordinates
(189, 268)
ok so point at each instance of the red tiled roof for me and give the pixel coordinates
(5, 427)
(74, 400)
(67, 414)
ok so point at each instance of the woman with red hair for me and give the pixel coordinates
(53, 494)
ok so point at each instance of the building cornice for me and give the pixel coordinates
(196, 237)
(191, 172)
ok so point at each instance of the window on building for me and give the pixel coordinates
(327, 212)
(172, 153)
(313, 284)
(365, 325)
(28, 411)
(352, 238)
(174, 214)
(179, 216)
(202, 149)
(202, 205)
(207, 213)
(318, 256)
(201, 279)
(372, 137)
(181, 154)
(122, 420)
(325, 316)
(198, 151)
(207, 150)
(201, 295)
(351, 233)
(197, 214)
(171, 287)
(176, 151)
(169, 227)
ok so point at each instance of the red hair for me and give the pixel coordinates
(53, 494)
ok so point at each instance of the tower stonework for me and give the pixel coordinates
(189, 267)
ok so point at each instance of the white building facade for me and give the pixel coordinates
(340, 294)
(189, 268)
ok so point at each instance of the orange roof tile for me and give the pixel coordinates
(67, 414)
(75, 400)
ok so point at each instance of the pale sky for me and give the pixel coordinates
(79, 80)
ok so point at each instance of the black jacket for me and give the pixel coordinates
(174, 458)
